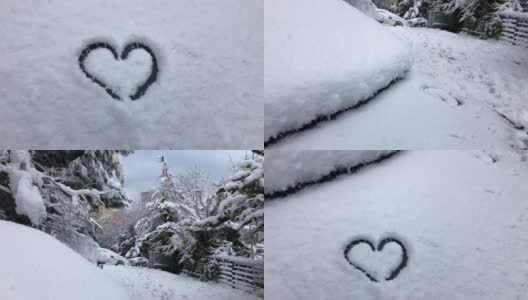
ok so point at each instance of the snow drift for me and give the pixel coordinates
(320, 57)
(36, 266)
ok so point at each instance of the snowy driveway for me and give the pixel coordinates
(451, 99)
(149, 284)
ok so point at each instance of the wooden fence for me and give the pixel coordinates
(514, 28)
(243, 274)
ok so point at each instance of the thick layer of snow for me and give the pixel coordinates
(24, 183)
(208, 93)
(36, 266)
(148, 284)
(322, 59)
(421, 111)
(462, 217)
(286, 169)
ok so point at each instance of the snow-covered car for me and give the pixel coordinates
(35, 265)
(391, 19)
(303, 89)
(417, 22)
(415, 207)
(109, 257)
(138, 261)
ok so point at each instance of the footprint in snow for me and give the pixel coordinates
(442, 95)
(487, 157)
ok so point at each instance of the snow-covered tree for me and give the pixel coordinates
(55, 191)
(413, 11)
(407, 9)
(198, 192)
(485, 11)
(240, 210)
(162, 232)
(192, 218)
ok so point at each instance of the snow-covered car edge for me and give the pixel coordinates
(391, 19)
(337, 171)
(109, 257)
(273, 139)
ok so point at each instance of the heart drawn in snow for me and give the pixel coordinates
(361, 267)
(142, 88)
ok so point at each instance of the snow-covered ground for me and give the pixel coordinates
(325, 57)
(210, 62)
(461, 215)
(450, 99)
(148, 284)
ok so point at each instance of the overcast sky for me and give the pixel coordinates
(143, 168)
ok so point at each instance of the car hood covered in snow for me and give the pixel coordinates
(36, 266)
(320, 58)
(209, 56)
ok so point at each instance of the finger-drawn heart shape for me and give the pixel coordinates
(381, 245)
(141, 89)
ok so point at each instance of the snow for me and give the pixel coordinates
(148, 284)
(366, 7)
(29, 257)
(28, 200)
(452, 98)
(389, 18)
(515, 14)
(287, 169)
(24, 183)
(462, 215)
(110, 257)
(210, 64)
(323, 59)
(37, 266)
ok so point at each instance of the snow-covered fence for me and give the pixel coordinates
(195, 269)
(514, 28)
(240, 273)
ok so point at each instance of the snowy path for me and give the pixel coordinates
(449, 100)
(462, 217)
(148, 284)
